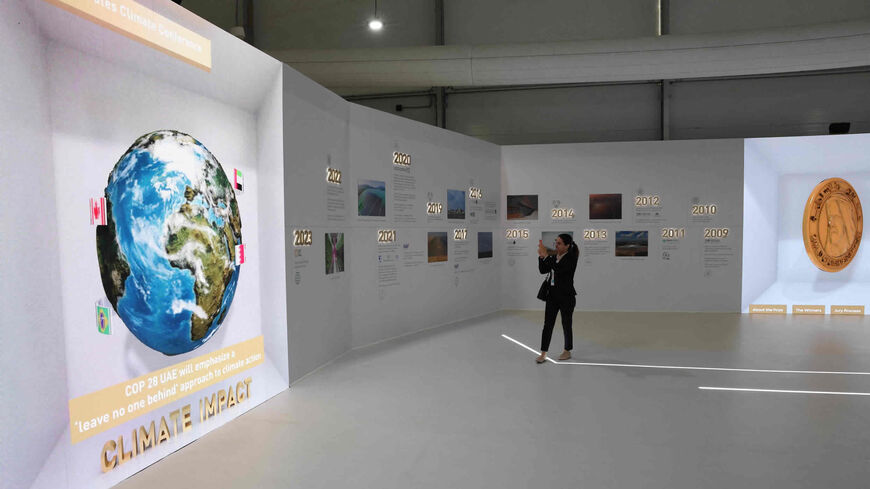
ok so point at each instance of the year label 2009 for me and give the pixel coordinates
(386, 235)
(302, 237)
(517, 234)
(713, 233)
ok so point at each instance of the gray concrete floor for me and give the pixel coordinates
(462, 407)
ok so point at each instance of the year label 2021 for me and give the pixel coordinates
(386, 235)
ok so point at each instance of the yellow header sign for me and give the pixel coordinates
(768, 309)
(98, 411)
(130, 19)
(798, 309)
(847, 310)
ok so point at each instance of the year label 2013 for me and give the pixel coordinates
(594, 234)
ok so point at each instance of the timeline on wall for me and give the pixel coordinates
(404, 189)
(336, 198)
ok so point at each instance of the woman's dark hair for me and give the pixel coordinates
(569, 242)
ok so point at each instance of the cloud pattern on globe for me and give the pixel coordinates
(167, 253)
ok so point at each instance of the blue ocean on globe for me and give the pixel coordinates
(167, 254)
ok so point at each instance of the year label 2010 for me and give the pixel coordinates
(401, 159)
(704, 209)
(563, 213)
(333, 176)
(594, 234)
(386, 235)
(302, 237)
(460, 234)
(517, 234)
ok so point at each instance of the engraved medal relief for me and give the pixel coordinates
(833, 224)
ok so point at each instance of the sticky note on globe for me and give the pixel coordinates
(104, 319)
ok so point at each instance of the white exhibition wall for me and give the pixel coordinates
(78, 96)
(780, 176)
(688, 273)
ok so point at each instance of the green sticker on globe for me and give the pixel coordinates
(104, 320)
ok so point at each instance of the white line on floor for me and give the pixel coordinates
(740, 389)
(677, 367)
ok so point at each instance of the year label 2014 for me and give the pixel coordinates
(302, 237)
(386, 235)
(563, 213)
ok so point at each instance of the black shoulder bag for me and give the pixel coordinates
(544, 291)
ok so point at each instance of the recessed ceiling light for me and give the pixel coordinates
(376, 24)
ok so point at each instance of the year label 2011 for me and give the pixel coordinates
(475, 193)
(401, 159)
(302, 237)
(704, 209)
(673, 233)
(333, 176)
(563, 213)
(386, 235)
(594, 234)
(517, 234)
(647, 201)
(460, 234)
(713, 233)
(433, 208)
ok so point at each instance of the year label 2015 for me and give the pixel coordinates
(517, 234)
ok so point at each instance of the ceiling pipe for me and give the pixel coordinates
(789, 50)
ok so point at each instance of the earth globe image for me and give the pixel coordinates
(167, 251)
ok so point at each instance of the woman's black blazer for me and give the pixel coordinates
(563, 273)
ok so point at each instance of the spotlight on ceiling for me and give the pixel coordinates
(376, 24)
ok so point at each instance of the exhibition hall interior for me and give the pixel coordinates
(595, 243)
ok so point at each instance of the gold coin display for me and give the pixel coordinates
(833, 224)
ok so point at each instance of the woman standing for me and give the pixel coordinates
(562, 294)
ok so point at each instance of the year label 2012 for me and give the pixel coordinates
(594, 234)
(386, 235)
(563, 213)
(333, 176)
(704, 209)
(673, 233)
(714, 233)
(647, 201)
(517, 234)
(401, 159)
(433, 208)
(302, 237)
(460, 234)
